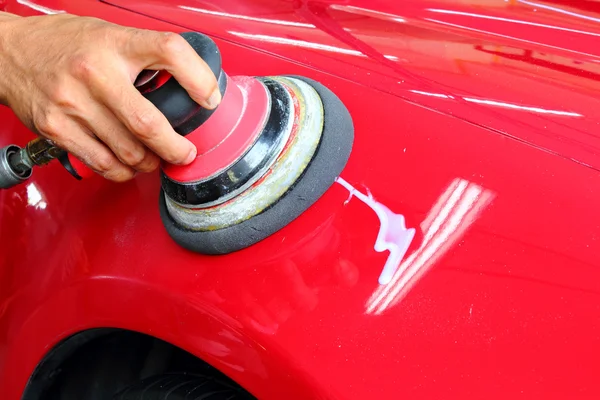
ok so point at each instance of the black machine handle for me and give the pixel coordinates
(183, 113)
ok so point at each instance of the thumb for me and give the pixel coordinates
(171, 52)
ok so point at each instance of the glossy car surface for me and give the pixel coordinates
(475, 120)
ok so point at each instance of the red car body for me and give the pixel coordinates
(476, 120)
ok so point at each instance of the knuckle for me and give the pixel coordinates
(143, 123)
(49, 122)
(151, 162)
(120, 175)
(154, 163)
(132, 156)
(171, 43)
(83, 68)
(62, 95)
(110, 168)
(104, 163)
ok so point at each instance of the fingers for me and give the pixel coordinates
(71, 136)
(128, 149)
(171, 52)
(144, 121)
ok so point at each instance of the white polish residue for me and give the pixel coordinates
(457, 208)
(393, 235)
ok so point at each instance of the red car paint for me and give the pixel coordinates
(476, 120)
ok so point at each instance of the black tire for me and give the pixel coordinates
(182, 387)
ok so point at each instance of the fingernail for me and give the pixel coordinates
(192, 156)
(214, 99)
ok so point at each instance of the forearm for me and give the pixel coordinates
(5, 18)
(3, 69)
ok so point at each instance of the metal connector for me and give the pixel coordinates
(40, 152)
(20, 161)
(9, 175)
(16, 163)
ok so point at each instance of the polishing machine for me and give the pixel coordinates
(271, 148)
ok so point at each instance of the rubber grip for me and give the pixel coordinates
(182, 112)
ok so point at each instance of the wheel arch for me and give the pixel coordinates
(100, 362)
(200, 329)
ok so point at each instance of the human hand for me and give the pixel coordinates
(70, 79)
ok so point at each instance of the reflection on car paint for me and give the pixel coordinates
(367, 12)
(37, 7)
(495, 103)
(559, 10)
(34, 197)
(455, 210)
(246, 17)
(393, 235)
(511, 20)
(539, 110)
(529, 42)
(303, 43)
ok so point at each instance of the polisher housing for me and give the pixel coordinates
(272, 147)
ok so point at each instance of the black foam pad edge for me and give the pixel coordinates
(327, 164)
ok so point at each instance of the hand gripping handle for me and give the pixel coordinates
(171, 99)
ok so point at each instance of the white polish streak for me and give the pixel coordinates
(393, 235)
(454, 212)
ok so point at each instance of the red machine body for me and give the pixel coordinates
(475, 120)
(228, 133)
